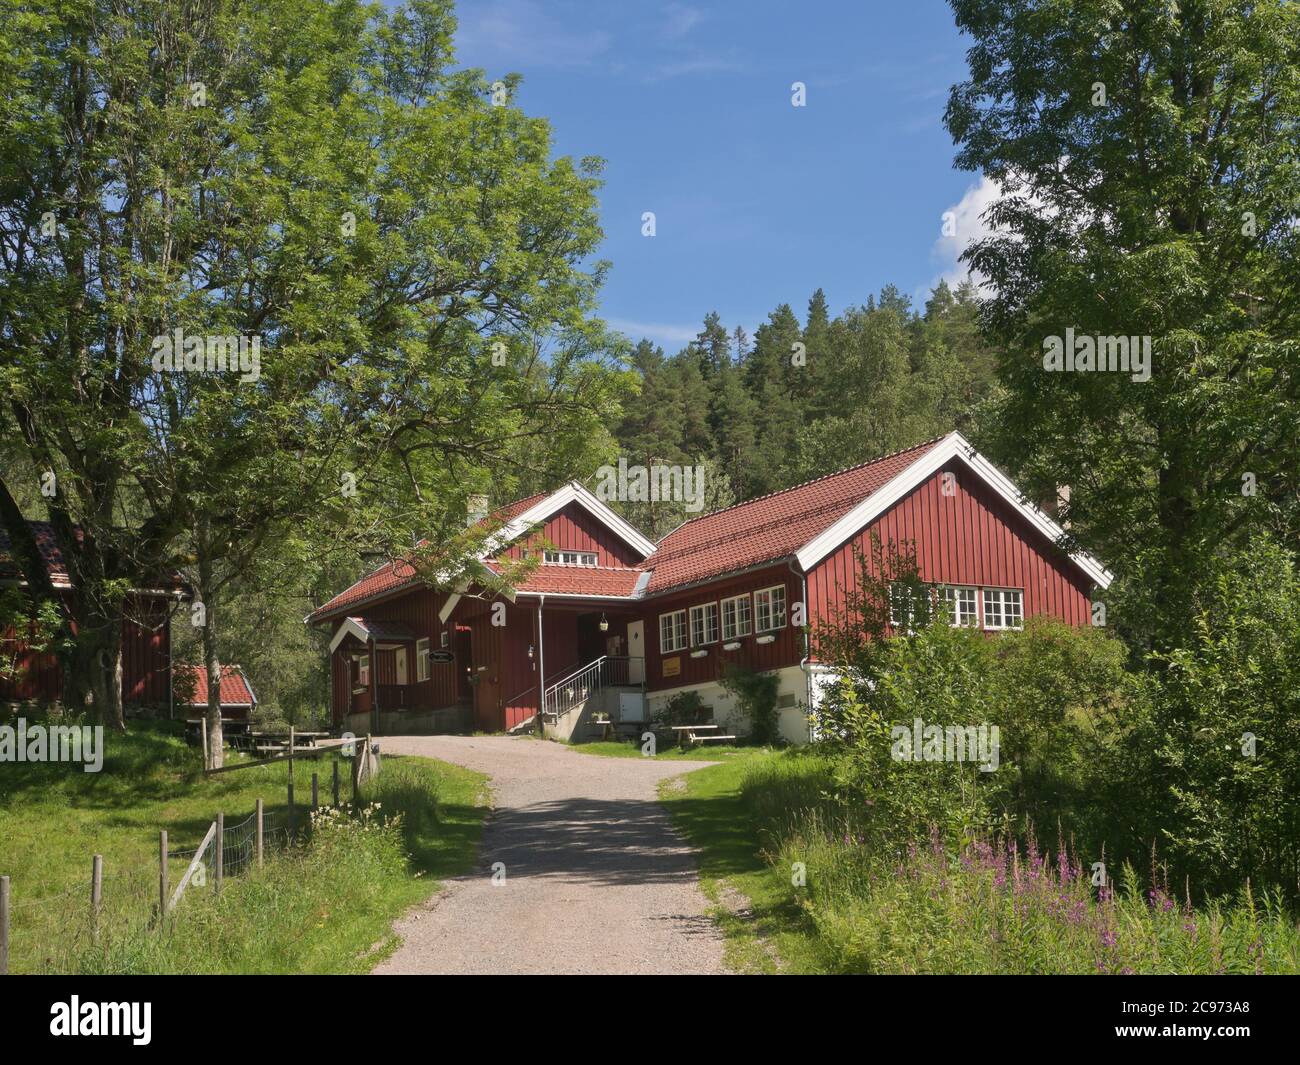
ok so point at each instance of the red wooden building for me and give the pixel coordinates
(609, 612)
(146, 638)
(238, 700)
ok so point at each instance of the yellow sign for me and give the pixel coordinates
(672, 667)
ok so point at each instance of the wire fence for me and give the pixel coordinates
(69, 929)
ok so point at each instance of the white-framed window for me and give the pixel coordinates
(769, 608)
(704, 624)
(446, 639)
(961, 603)
(363, 671)
(903, 605)
(672, 632)
(422, 659)
(737, 617)
(570, 558)
(1004, 608)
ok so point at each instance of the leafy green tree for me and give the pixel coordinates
(314, 175)
(1150, 186)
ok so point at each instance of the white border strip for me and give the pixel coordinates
(954, 445)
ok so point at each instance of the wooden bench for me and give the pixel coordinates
(711, 739)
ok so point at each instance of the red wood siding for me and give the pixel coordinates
(146, 647)
(786, 650)
(575, 529)
(972, 537)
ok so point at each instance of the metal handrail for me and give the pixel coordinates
(579, 686)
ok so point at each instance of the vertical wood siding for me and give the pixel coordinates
(146, 645)
(972, 537)
(575, 529)
(786, 650)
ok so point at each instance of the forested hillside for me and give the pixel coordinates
(802, 398)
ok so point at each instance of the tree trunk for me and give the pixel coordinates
(211, 659)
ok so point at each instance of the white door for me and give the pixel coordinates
(399, 657)
(636, 652)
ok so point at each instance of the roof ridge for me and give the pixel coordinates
(804, 484)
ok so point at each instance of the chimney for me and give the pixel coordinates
(476, 509)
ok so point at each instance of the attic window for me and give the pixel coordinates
(570, 558)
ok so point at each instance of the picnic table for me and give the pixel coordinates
(692, 734)
(279, 741)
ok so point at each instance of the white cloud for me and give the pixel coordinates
(968, 225)
(667, 335)
(680, 19)
(521, 33)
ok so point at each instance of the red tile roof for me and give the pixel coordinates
(235, 689)
(396, 574)
(766, 529)
(770, 527)
(581, 580)
(57, 567)
(49, 548)
(389, 577)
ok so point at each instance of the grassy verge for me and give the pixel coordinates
(314, 908)
(821, 901)
(754, 904)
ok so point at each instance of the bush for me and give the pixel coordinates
(756, 695)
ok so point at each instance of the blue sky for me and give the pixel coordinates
(757, 202)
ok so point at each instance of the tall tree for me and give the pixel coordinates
(1150, 186)
(277, 172)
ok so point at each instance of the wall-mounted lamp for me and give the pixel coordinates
(530, 652)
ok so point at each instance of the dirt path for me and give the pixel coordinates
(595, 878)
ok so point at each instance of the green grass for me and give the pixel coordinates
(765, 930)
(926, 910)
(314, 908)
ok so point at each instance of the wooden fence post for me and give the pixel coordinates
(221, 849)
(336, 783)
(291, 800)
(4, 925)
(96, 893)
(315, 798)
(259, 833)
(162, 874)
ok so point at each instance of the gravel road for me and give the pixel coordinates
(596, 880)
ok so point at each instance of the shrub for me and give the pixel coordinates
(756, 695)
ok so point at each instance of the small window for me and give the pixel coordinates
(704, 624)
(769, 609)
(446, 639)
(421, 659)
(363, 671)
(736, 617)
(672, 631)
(570, 558)
(960, 604)
(1003, 608)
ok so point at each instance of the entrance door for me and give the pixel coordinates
(399, 664)
(464, 668)
(636, 652)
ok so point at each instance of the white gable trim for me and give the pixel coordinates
(954, 445)
(572, 492)
(349, 626)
